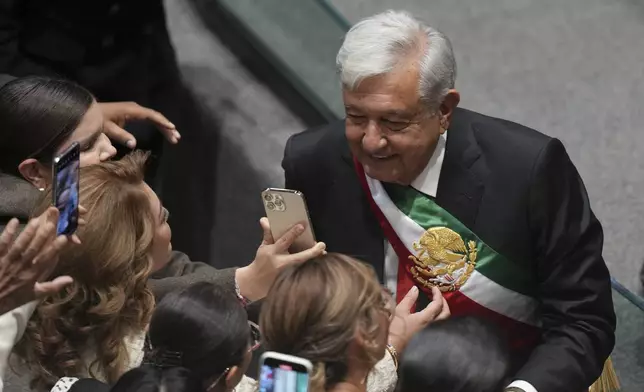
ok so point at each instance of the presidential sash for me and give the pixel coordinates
(436, 249)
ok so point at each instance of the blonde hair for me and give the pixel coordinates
(109, 299)
(315, 309)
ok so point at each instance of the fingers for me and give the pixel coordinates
(44, 235)
(23, 240)
(300, 257)
(267, 234)
(7, 236)
(408, 301)
(168, 129)
(287, 239)
(49, 288)
(82, 211)
(445, 313)
(434, 308)
(51, 253)
(118, 134)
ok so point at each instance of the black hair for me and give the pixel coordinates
(460, 354)
(203, 328)
(151, 379)
(38, 114)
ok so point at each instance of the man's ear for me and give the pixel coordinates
(450, 103)
(35, 173)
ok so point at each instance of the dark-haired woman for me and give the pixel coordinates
(461, 354)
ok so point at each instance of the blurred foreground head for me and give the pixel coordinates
(332, 311)
(460, 354)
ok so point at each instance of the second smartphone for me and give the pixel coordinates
(65, 189)
(283, 373)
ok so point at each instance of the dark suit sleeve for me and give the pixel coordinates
(574, 282)
(181, 272)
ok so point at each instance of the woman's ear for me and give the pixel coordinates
(233, 377)
(34, 172)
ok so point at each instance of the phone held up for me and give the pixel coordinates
(283, 373)
(65, 189)
(284, 209)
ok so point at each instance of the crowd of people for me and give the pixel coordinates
(463, 255)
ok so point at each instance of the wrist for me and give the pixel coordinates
(246, 283)
(396, 344)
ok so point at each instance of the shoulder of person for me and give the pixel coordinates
(503, 141)
(316, 140)
(489, 129)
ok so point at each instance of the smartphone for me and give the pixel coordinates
(283, 373)
(65, 189)
(284, 209)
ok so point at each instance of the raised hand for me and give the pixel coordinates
(117, 114)
(29, 259)
(272, 256)
(405, 324)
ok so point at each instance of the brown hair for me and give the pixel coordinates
(314, 310)
(109, 298)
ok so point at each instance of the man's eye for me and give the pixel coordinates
(395, 125)
(355, 117)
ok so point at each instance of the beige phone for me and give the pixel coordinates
(284, 209)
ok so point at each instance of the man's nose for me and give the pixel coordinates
(372, 141)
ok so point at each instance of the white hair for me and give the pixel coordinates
(376, 45)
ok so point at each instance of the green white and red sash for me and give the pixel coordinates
(494, 288)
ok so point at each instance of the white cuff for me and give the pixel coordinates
(524, 385)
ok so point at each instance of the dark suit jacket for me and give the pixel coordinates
(519, 192)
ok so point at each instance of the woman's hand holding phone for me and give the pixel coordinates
(272, 256)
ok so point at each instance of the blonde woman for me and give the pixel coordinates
(333, 311)
(96, 327)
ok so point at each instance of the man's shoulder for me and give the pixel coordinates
(325, 140)
(505, 140)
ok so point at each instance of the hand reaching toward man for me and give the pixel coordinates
(405, 324)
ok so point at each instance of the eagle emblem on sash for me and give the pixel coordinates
(443, 259)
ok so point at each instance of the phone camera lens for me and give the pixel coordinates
(278, 203)
(268, 197)
(270, 205)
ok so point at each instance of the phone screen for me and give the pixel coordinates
(66, 174)
(279, 376)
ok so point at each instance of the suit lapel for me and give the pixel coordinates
(460, 186)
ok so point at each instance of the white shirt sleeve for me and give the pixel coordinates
(523, 385)
(12, 327)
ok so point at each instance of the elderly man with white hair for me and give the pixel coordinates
(491, 212)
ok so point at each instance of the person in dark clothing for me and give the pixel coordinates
(460, 354)
(121, 51)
